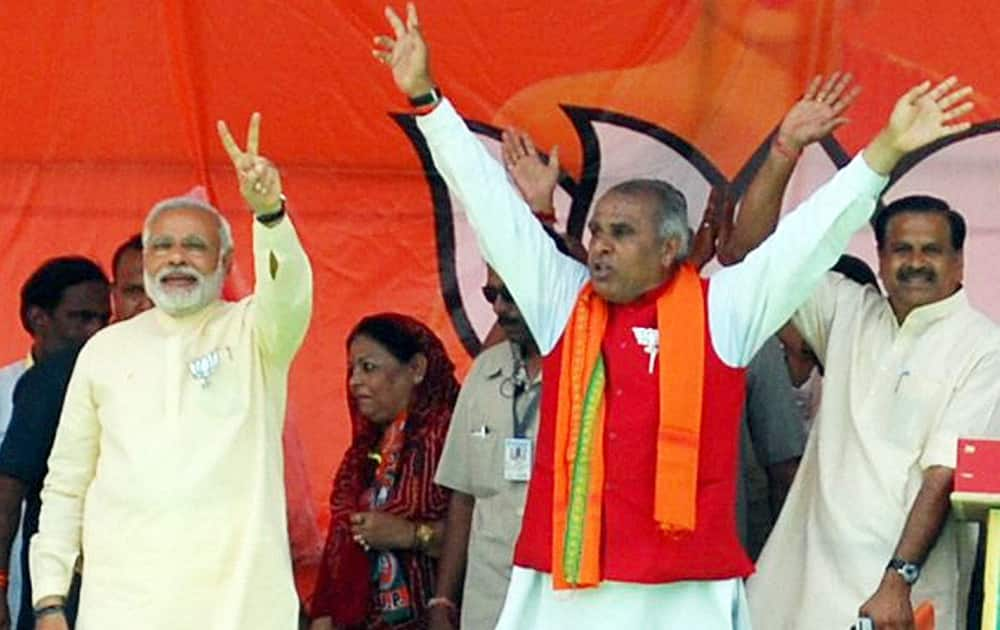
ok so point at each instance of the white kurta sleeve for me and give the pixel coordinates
(72, 463)
(748, 302)
(543, 282)
(283, 291)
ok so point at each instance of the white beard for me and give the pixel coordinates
(180, 302)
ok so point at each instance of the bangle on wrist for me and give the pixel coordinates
(423, 536)
(783, 149)
(443, 602)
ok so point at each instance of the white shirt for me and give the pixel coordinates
(895, 400)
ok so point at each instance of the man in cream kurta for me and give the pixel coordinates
(896, 398)
(167, 471)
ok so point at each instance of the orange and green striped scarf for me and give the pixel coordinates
(578, 460)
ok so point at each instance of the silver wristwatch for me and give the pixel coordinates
(909, 571)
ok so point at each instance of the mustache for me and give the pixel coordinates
(906, 274)
(188, 269)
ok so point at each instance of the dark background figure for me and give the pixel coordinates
(128, 292)
(63, 303)
(38, 401)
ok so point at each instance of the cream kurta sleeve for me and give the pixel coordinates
(72, 462)
(283, 290)
(814, 319)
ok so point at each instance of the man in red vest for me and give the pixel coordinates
(630, 513)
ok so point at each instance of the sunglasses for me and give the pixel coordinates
(492, 293)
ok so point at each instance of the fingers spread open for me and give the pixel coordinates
(845, 101)
(957, 112)
(508, 148)
(840, 86)
(826, 91)
(916, 92)
(943, 87)
(956, 128)
(527, 145)
(813, 88)
(949, 100)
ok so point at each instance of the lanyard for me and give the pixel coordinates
(514, 387)
(522, 423)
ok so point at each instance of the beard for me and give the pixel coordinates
(181, 301)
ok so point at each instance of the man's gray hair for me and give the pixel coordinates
(176, 203)
(670, 207)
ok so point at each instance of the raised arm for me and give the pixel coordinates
(536, 178)
(754, 298)
(544, 282)
(718, 216)
(815, 116)
(283, 290)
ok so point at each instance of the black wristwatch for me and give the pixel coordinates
(425, 100)
(272, 217)
(909, 571)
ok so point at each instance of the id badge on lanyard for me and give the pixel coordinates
(518, 451)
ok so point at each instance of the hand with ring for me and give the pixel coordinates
(358, 538)
(380, 530)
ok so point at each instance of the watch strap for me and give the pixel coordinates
(909, 571)
(272, 217)
(426, 100)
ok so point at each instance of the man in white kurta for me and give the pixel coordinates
(896, 398)
(166, 472)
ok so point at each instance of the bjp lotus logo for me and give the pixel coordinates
(963, 169)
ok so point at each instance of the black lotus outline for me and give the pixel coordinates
(582, 192)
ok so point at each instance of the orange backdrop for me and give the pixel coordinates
(107, 106)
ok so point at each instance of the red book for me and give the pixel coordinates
(978, 466)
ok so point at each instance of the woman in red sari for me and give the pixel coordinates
(387, 515)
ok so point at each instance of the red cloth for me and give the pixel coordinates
(634, 548)
(344, 590)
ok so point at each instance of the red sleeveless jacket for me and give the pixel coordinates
(634, 549)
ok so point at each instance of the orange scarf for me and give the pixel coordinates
(577, 498)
